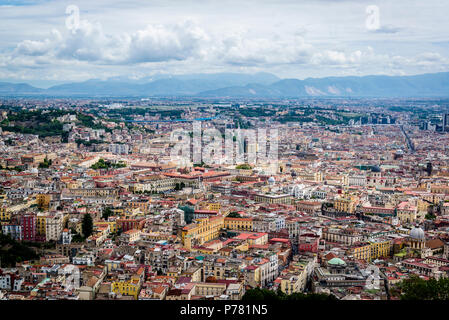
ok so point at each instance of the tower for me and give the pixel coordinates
(445, 122)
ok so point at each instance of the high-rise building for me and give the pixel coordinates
(446, 122)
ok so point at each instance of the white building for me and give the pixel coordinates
(84, 260)
(66, 237)
(10, 282)
(117, 148)
(357, 180)
(15, 231)
(53, 227)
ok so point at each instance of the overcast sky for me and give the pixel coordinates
(41, 43)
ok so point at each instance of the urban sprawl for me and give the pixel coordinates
(95, 205)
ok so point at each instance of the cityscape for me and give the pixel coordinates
(227, 185)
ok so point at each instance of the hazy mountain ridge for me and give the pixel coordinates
(431, 85)
(246, 85)
(161, 85)
(18, 88)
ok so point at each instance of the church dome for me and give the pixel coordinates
(271, 180)
(336, 262)
(417, 234)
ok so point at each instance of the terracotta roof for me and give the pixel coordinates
(434, 243)
(330, 256)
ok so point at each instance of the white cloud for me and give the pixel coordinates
(90, 43)
(241, 50)
(332, 57)
(387, 29)
(292, 39)
(161, 43)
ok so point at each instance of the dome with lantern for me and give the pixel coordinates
(417, 234)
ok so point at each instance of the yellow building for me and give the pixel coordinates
(371, 250)
(33, 158)
(291, 283)
(117, 211)
(172, 273)
(7, 211)
(245, 224)
(214, 206)
(274, 198)
(423, 205)
(112, 225)
(43, 201)
(41, 224)
(93, 173)
(202, 230)
(5, 215)
(194, 273)
(130, 287)
(92, 192)
(439, 189)
(112, 265)
(244, 246)
(130, 213)
(407, 212)
(209, 288)
(362, 252)
(380, 248)
(143, 205)
(257, 238)
(132, 235)
(309, 176)
(252, 276)
(345, 204)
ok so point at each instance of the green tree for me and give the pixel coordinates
(100, 164)
(430, 216)
(12, 252)
(270, 295)
(87, 225)
(234, 214)
(244, 166)
(416, 288)
(77, 238)
(107, 212)
(253, 294)
(45, 164)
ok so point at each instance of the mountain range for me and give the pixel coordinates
(235, 85)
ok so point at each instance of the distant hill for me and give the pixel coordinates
(426, 85)
(234, 85)
(7, 88)
(161, 85)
